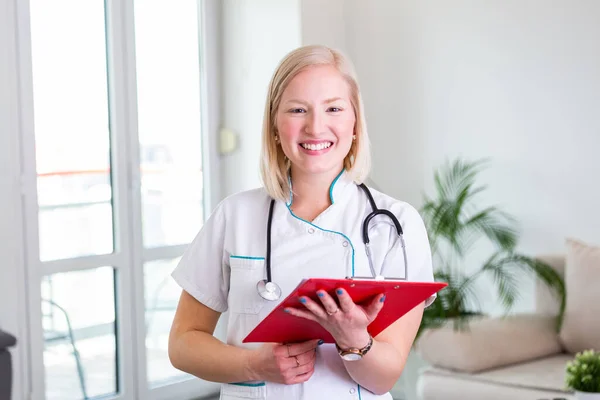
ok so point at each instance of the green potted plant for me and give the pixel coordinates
(583, 375)
(456, 224)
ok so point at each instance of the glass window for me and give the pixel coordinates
(162, 295)
(169, 120)
(78, 318)
(71, 128)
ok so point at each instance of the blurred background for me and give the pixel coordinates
(124, 122)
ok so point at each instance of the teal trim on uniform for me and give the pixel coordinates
(249, 384)
(359, 396)
(333, 184)
(289, 202)
(326, 230)
(248, 257)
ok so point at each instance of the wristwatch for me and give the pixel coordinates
(354, 354)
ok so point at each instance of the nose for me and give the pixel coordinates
(314, 124)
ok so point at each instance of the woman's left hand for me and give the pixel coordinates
(345, 320)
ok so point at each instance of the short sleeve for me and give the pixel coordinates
(202, 271)
(418, 249)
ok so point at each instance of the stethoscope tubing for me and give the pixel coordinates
(272, 291)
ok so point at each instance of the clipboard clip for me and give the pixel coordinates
(376, 278)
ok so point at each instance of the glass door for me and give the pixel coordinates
(114, 190)
(168, 55)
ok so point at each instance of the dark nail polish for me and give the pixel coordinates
(286, 310)
(320, 342)
(302, 300)
(340, 291)
(321, 294)
(382, 299)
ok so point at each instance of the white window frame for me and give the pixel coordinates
(21, 201)
(13, 310)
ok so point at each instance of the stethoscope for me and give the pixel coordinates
(269, 290)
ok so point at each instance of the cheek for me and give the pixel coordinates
(345, 127)
(289, 128)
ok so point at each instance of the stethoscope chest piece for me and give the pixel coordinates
(268, 290)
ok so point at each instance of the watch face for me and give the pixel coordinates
(352, 357)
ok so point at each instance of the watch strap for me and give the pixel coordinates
(355, 351)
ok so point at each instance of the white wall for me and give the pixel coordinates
(256, 36)
(323, 22)
(511, 80)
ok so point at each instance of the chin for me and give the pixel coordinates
(318, 168)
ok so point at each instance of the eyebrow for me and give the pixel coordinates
(327, 101)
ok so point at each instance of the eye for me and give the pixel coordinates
(334, 109)
(297, 110)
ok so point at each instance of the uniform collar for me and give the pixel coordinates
(336, 189)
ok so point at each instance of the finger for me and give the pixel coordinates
(302, 378)
(301, 348)
(288, 350)
(281, 351)
(307, 357)
(301, 313)
(295, 361)
(303, 369)
(346, 302)
(328, 302)
(375, 307)
(313, 307)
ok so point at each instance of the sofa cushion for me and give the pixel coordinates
(534, 377)
(581, 326)
(490, 342)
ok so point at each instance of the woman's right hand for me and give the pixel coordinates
(285, 363)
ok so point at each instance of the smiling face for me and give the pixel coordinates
(315, 121)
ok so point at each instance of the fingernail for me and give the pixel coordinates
(382, 299)
(340, 291)
(302, 300)
(286, 310)
(320, 342)
(321, 294)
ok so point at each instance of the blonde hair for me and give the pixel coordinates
(274, 166)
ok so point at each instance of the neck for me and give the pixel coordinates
(311, 191)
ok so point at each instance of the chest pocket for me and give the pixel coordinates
(245, 274)
(232, 391)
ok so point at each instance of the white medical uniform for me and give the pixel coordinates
(227, 258)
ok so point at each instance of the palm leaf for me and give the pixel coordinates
(505, 277)
(453, 177)
(454, 224)
(445, 216)
(547, 275)
(496, 226)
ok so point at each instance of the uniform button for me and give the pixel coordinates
(311, 230)
(345, 244)
(352, 391)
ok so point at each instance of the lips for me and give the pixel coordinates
(316, 146)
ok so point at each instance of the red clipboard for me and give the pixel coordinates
(400, 297)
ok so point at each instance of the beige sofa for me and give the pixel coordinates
(518, 357)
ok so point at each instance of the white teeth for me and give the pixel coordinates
(319, 146)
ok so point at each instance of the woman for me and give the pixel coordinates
(315, 150)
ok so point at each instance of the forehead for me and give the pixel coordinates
(317, 82)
